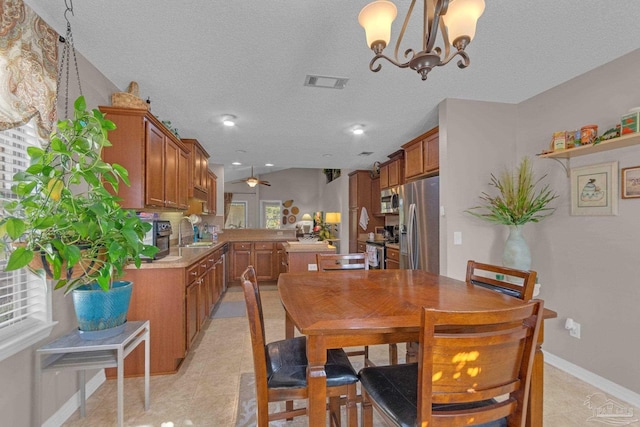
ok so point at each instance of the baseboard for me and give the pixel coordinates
(72, 405)
(609, 387)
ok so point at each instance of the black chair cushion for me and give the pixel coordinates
(287, 365)
(394, 388)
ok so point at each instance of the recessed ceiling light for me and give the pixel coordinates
(236, 163)
(327, 155)
(268, 164)
(229, 120)
(358, 130)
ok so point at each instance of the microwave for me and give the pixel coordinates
(389, 201)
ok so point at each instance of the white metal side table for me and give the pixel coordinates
(72, 352)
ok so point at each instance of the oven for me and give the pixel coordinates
(375, 255)
(159, 236)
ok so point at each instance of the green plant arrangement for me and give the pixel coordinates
(518, 202)
(63, 214)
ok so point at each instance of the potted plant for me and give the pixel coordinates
(517, 203)
(64, 222)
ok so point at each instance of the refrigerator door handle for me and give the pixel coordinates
(412, 238)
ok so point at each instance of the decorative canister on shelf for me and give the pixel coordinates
(588, 134)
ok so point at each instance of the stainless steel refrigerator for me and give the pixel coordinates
(419, 225)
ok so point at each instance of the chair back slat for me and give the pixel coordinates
(516, 283)
(470, 357)
(340, 262)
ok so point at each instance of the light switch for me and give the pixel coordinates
(312, 267)
(441, 210)
(457, 237)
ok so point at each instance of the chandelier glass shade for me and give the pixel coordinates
(252, 182)
(456, 20)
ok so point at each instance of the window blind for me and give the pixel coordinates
(25, 301)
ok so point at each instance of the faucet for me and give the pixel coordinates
(180, 232)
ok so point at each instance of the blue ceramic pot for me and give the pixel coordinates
(102, 314)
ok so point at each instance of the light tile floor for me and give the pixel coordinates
(205, 390)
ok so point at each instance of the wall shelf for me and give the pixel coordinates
(610, 144)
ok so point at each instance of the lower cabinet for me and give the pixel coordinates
(177, 302)
(264, 261)
(264, 256)
(393, 259)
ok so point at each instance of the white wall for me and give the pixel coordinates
(476, 139)
(588, 266)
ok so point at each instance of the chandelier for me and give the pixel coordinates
(456, 19)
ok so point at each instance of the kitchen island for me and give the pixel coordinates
(300, 256)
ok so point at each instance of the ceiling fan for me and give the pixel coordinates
(252, 181)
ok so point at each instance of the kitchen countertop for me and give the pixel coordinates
(184, 257)
(180, 257)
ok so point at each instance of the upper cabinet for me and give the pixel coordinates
(199, 170)
(391, 171)
(421, 155)
(212, 192)
(152, 155)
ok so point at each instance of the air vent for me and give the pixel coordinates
(366, 153)
(326, 82)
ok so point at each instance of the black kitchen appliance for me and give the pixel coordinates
(159, 236)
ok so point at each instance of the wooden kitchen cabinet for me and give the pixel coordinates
(152, 156)
(376, 205)
(198, 171)
(183, 180)
(359, 198)
(392, 261)
(177, 302)
(262, 255)
(240, 259)
(422, 155)
(264, 261)
(391, 171)
(212, 192)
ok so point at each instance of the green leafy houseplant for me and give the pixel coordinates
(518, 202)
(63, 213)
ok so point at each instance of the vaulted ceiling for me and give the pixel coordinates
(200, 60)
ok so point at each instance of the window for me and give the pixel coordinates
(25, 299)
(270, 213)
(237, 217)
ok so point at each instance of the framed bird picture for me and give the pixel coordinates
(594, 189)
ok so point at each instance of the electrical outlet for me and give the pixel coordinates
(575, 330)
(312, 267)
(279, 233)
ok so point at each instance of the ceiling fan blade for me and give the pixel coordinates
(264, 183)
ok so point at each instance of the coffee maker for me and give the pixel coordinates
(390, 234)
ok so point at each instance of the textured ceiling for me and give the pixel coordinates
(200, 60)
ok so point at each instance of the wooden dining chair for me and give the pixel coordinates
(281, 368)
(354, 261)
(474, 369)
(502, 279)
